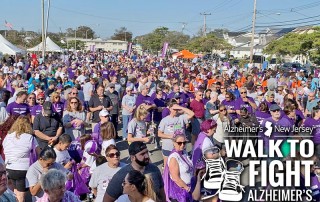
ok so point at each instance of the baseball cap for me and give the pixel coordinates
(274, 107)
(47, 107)
(270, 93)
(136, 147)
(41, 95)
(104, 112)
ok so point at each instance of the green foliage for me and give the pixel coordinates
(207, 44)
(80, 45)
(84, 32)
(307, 44)
(122, 34)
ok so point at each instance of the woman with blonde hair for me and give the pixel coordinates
(108, 134)
(73, 118)
(137, 187)
(57, 104)
(137, 128)
(18, 146)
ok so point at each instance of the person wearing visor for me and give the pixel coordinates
(139, 156)
(47, 126)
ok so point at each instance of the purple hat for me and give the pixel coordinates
(208, 124)
(59, 86)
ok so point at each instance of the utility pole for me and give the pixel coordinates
(43, 32)
(253, 30)
(204, 23)
(75, 39)
(183, 26)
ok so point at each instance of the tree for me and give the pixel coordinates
(122, 34)
(176, 39)
(306, 44)
(207, 44)
(85, 32)
(79, 46)
(154, 40)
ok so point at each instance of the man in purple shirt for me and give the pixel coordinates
(143, 98)
(275, 122)
(176, 94)
(245, 101)
(37, 109)
(19, 107)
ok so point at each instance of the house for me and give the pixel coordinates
(242, 43)
(100, 44)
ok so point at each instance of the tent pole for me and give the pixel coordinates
(43, 30)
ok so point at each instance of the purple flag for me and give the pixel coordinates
(129, 48)
(164, 49)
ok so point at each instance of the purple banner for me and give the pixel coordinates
(129, 49)
(164, 49)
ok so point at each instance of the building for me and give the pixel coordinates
(99, 44)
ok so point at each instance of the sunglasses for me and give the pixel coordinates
(74, 93)
(243, 92)
(277, 110)
(56, 97)
(73, 102)
(40, 99)
(222, 110)
(112, 155)
(111, 87)
(200, 94)
(180, 143)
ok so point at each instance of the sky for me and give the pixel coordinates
(143, 16)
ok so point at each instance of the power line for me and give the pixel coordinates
(297, 23)
(292, 20)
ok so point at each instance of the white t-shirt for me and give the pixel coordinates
(207, 143)
(17, 151)
(185, 172)
(63, 157)
(87, 90)
(106, 144)
(5, 69)
(125, 198)
(101, 177)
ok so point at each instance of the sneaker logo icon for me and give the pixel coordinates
(268, 125)
(224, 177)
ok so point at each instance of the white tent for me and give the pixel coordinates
(8, 48)
(50, 46)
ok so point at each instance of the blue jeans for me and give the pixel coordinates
(125, 122)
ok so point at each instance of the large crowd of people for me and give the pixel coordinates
(60, 123)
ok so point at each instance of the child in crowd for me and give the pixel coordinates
(108, 134)
(61, 150)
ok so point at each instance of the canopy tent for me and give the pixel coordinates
(50, 46)
(8, 48)
(184, 54)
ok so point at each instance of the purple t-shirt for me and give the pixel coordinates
(183, 99)
(276, 134)
(311, 122)
(164, 96)
(146, 100)
(58, 108)
(18, 109)
(261, 116)
(239, 103)
(165, 112)
(230, 105)
(36, 110)
(157, 116)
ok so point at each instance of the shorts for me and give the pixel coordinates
(18, 178)
(166, 153)
(195, 122)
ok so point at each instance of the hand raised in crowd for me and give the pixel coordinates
(200, 174)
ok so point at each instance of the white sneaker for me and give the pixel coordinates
(231, 189)
(214, 173)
